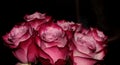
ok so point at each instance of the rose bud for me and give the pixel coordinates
(88, 46)
(53, 42)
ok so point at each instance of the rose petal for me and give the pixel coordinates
(55, 53)
(20, 54)
(98, 35)
(83, 61)
(44, 56)
(32, 52)
(26, 51)
(33, 16)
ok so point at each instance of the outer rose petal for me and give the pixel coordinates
(18, 34)
(55, 53)
(83, 61)
(26, 51)
(98, 35)
(32, 52)
(43, 57)
(100, 55)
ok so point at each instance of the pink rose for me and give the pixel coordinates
(36, 19)
(88, 46)
(69, 27)
(18, 34)
(53, 41)
(21, 41)
(65, 25)
(36, 15)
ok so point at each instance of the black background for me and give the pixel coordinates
(12, 12)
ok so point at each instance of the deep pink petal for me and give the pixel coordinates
(26, 51)
(32, 52)
(43, 57)
(55, 53)
(60, 62)
(38, 41)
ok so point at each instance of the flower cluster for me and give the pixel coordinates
(51, 42)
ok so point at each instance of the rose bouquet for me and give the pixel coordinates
(42, 39)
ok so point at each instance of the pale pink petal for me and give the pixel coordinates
(65, 25)
(21, 55)
(83, 61)
(100, 55)
(98, 35)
